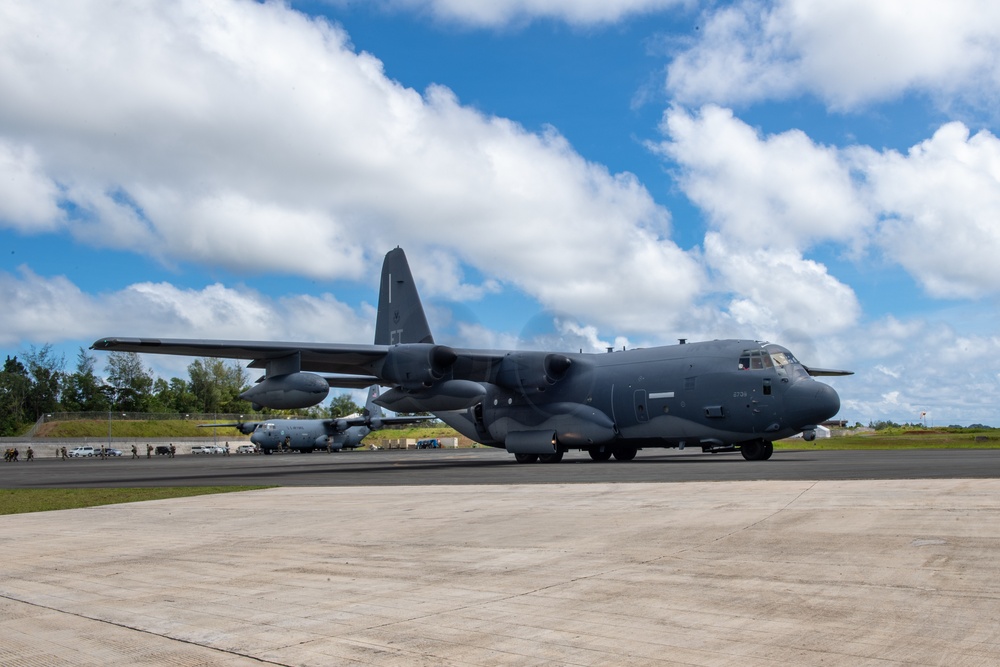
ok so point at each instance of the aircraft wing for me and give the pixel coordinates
(826, 372)
(354, 364)
(316, 357)
(424, 377)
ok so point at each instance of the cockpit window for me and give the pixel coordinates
(755, 360)
(783, 358)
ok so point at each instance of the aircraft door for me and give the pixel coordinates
(763, 407)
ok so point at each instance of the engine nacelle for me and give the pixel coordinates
(416, 365)
(532, 371)
(288, 392)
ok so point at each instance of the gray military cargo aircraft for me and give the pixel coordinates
(717, 395)
(308, 435)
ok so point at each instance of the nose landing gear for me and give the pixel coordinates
(757, 450)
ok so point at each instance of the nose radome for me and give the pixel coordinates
(809, 402)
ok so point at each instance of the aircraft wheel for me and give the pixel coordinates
(625, 453)
(268, 451)
(551, 458)
(525, 458)
(600, 453)
(756, 450)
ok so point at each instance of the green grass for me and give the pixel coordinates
(19, 501)
(899, 439)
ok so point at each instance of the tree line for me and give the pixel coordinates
(38, 383)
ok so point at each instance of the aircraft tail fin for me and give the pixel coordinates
(372, 410)
(400, 317)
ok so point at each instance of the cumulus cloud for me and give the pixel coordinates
(940, 204)
(29, 199)
(250, 136)
(781, 191)
(54, 310)
(932, 211)
(849, 53)
(906, 367)
(776, 289)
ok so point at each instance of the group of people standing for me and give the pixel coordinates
(13, 455)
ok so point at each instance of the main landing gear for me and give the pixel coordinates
(598, 453)
(757, 450)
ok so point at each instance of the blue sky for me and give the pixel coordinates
(569, 173)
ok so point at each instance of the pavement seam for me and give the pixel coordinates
(141, 630)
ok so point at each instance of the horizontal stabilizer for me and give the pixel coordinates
(243, 427)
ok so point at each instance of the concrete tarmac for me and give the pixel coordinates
(839, 572)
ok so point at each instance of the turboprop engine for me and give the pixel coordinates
(287, 392)
(417, 365)
(532, 371)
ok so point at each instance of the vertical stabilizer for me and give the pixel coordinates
(372, 410)
(400, 316)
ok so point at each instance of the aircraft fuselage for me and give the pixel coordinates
(715, 395)
(305, 435)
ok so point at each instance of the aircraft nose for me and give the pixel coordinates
(809, 402)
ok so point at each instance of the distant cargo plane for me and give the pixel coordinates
(308, 435)
(717, 395)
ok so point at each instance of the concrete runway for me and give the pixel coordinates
(866, 571)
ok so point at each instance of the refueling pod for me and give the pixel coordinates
(287, 392)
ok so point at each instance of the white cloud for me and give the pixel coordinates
(249, 136)
(848, 53)
(53, 309)
(500, 13)
(932, 211)
(776, 289)
(29, 200)
(941, 203)
(905, 367)
(780, 191)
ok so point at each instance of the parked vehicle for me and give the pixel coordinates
(111, 451)
(162, 450)
(430, 443)
(208, 449)
(246, 449)
(80, 452)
